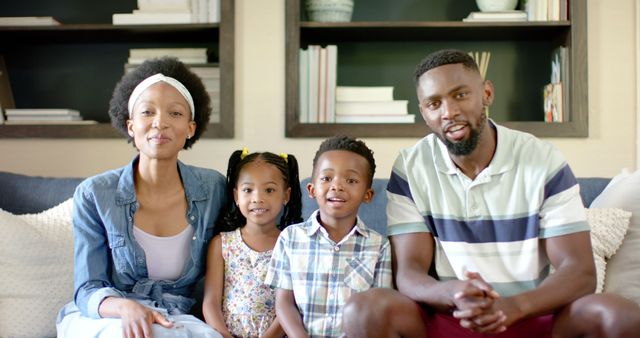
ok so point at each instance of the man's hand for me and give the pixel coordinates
(138, 319)
(476, 306)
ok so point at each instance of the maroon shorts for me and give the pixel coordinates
(443, 325)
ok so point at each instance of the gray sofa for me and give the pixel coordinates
(22, 194)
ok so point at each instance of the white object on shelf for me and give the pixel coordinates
(329, 10)
(28, 21)
(496, 5)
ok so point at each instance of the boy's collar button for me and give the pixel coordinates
(336, 248)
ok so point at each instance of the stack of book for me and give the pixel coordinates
(196, 59)
(496, 16)
(317, 81)
(44, 116)
(547, 10)
(151, 12)
(355, 104)
(554, 103)
(534, 10)
(28, 21)
(186, 55)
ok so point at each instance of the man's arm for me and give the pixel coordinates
(413, 254)
(572, 257)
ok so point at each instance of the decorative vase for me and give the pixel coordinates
(329, 10)
(496, 5)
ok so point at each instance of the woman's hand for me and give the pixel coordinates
(137, 319)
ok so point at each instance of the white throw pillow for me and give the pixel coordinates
(623, 269)
(608, 227)
(36, 265)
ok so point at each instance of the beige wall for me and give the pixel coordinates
(610, 147)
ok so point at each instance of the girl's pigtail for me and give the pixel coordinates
(292, 212)
(231, 217)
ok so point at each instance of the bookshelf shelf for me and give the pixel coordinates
(79, 33)
(383, 49)
(77, 64)
(437, 30)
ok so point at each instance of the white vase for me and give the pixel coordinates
(329, 10)
(496, 5)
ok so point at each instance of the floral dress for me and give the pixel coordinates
(248, 305)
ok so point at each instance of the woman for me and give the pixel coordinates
(141, 231)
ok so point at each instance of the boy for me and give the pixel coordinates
(317, 265)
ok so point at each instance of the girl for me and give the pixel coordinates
(264, 187)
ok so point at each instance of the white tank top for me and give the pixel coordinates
(166, 256)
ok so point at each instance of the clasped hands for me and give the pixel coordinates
(479, 307)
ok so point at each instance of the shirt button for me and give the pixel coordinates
(193, 217)
(336, 248)
(194, 238)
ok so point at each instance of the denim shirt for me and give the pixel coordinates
(108, 260)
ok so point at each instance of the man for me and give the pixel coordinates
(489, 210)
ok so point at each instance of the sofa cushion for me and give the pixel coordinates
(608, 227)
(623, 269)
(22, 194)
(36, 265)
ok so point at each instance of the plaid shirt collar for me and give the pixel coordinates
(313, 226)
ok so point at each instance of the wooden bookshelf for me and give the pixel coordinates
(384, 42)
(77, 64)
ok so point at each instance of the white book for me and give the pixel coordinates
(203, 11)
(81, 122)
(375, 118)
(206, 72)
(28, 21)
(214, 11)
(322, 87)
(332, 75)
(553, 12)
(160, 11)
(163, 5)
(211, 84)
(40, 111)
(187, 60)
(368, 108)
(138, 53)
(303, 86)
(496, 16)
(364, 93)
(314, 70)
(151, 18)
(538, 10)
(43, 118)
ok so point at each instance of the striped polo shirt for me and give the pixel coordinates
(491, 224)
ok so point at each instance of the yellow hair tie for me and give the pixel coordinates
(244, 154)
(285, 157)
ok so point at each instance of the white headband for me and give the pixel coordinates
(151, 80)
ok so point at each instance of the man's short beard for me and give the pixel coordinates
(466, 147)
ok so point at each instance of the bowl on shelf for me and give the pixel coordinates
(496, 5)
(329, 10)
